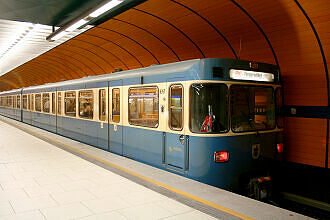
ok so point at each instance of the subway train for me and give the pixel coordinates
(213, 120)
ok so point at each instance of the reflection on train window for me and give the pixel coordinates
(143, 106)
(14, 102)
(70, 103)
(252, 108)
(38, 102)
(28, 102)
(10, 102)
(59, 103)
(32, 102)
(86, 104)
(24, 102)
(176, 107)
(45, 102)
(116, 105)
(102, 105)
(209, 108)
(279, 108)
(53, 103)
(19, 102)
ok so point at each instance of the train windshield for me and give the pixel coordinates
(252, 108)
(209, 110)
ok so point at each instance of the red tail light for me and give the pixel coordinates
(280, 148)
(221, 156)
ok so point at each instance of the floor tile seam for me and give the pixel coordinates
(82, 203)
(11, 206)
(112, 210)
(42, 214)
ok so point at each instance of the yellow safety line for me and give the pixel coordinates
(216, 206)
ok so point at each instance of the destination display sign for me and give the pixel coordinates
(251, 75)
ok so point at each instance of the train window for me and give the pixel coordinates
(102, 105)
(38, 102)
(28, 101)
(59, 103)
(19, 102)
(32, 102)
(208, 108)
(279, 108)
(10, 101)
(86, 104)
(53, 103)
(143, 106)
(252, 108)
(14, 102)
(70, 103)
(25, 102)
(176, 107)
(116, 105)
(45, 102)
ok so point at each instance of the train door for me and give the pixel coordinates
(176, 142)
(103, 128)
(56, 111)
(116, 117)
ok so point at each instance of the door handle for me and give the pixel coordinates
(181, 138)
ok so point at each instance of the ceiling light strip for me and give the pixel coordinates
(83, 19)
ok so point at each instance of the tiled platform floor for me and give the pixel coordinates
(41, 181)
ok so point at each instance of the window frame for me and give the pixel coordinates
(35, 102)
(112, 89)
(99, 104)
(14, 101)
(128, 107)
(26, 106)
(59, 100)
(227, 109)
(42, 102)
(32, 102)
(20, 102)
(278, 114)
(231, 107)
(70, 91)
(53, 105)
(79, 92)
(169, 107)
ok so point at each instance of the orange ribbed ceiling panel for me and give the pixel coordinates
(163, 31)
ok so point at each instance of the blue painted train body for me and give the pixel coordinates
(180, 150)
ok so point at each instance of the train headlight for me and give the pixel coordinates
(221, 156)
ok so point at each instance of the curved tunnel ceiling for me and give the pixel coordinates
(291, 33)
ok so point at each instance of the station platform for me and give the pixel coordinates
(47, 176)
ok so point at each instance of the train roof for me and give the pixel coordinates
(11, 92)
(146, 71)
(177, 67)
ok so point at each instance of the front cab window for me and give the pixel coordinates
(208, 108)
(252, 108)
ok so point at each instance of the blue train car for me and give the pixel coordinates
(212, 120)
(11, 103)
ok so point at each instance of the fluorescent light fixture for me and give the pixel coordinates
(58, 35)
(105, 8)
(84, 19)
(251, 75)
(76, 25)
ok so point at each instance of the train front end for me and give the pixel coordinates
(236, 130)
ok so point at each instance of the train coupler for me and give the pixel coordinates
(260, 188)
